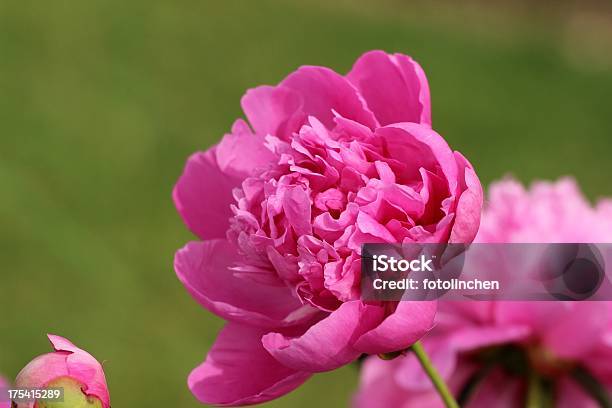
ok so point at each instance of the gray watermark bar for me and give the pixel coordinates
(483, 271)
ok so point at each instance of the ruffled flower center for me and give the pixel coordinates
(330, 191)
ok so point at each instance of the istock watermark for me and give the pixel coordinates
(544, 272)
(383, 263)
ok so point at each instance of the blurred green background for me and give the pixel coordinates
(101, 102)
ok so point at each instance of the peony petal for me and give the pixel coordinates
(273, 111)
(567, 330)
(469, 207)
(4, 402)
(377, 388)
(369, 226)
(42, 369)
(205, 270)
(401, 329)
(328, 344)
(572, 395)
(236, 147)
(394, 86)
(297, 208)
(203, 195)
(90, 375)
(418, 146)
(597, 362)
(578, 331)
(323, 91)
(239, 371)
(61, 344)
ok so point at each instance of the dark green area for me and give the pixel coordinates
(102, 101)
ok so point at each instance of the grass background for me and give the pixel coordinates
(101, 101)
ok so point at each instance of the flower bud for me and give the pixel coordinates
(74, 370)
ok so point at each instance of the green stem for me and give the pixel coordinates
(434, 376)
(534, 394)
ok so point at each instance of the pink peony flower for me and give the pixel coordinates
(68, 367)
(548, 212)
(4, 402)
(506, 342)
(282, 206)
